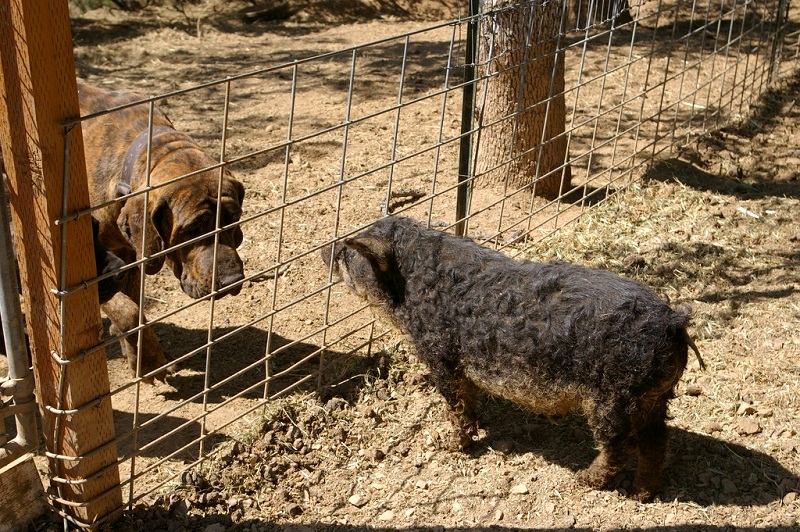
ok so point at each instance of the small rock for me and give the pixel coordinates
(764, 412)
(293, 509)
(790, 497)
(422, 484)
(413, 377)
(710, 427)
(745, 410)
(190, 477)
(747, 426)
(376, 455)
(357, 500)
(634, 261)
(211, 497)
(383, 395)
(503, 446)
(336, 403)
(694, 390)
(388, 515)
(519, 489)
(457, 507)
(232, 503)
(549, 507)
(728, 487)
(181, 509)
(568, 521)
(498, 515)
(410, 512)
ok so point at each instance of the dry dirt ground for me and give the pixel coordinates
(716, 227)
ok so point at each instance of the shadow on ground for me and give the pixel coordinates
(701, 469)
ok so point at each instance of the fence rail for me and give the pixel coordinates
(637, 84)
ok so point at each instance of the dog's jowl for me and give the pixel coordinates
(186, 191)
(556, 338)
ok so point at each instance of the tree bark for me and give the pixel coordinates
(582, 13)
(522, 142)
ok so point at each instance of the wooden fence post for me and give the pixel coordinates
(38, 92)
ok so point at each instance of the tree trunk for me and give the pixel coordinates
(582, 13)
(522, 142)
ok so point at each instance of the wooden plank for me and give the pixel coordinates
(38, 92)
(21, 496)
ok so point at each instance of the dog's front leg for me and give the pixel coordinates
(124, 315)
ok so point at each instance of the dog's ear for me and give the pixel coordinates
(131, 222)
(239, 190)
(238, 236)
(375, 249)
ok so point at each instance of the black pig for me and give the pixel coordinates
(556, 338)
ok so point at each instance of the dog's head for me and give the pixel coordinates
(184, 211)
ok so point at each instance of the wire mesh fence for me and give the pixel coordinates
(412, 125)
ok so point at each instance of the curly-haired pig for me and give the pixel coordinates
(555, 338)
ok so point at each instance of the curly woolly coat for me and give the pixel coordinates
(556, 338)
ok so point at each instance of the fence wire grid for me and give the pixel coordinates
(638, 84)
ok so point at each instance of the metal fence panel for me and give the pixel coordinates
(635, 88)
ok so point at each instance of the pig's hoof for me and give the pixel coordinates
(644, 494)
(458, 441)
(590, 477)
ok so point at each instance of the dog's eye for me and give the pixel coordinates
(230, 213)
(198, 226)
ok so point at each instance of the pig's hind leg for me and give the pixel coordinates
(653, 442)
(612, 429)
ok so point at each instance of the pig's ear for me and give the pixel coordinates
(376, 250)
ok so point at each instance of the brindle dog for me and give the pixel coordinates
(185, 191)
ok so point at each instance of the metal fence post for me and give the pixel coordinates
(777, 44)
(467, 114)
(20, 380)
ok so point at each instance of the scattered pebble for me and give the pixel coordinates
(358, 500)
(293, 509)
(634, 261)
(519, 489)
(694, 390)
(503, 446)
(728, 487)
(388, 515)
(747, 426)
(745, 410)
(568, 521)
